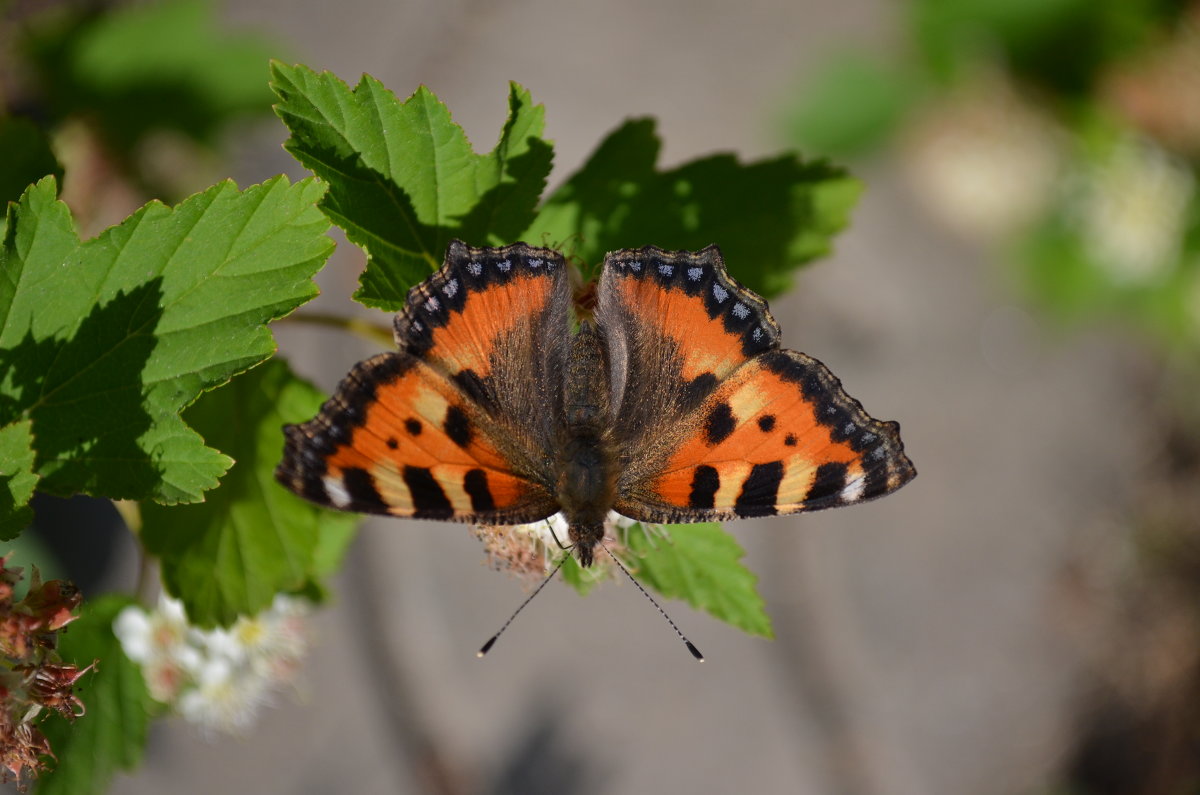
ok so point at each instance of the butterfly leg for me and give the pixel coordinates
(554, 535)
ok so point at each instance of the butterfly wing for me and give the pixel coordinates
(456, 425)
(716, 421)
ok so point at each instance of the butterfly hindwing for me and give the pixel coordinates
(777, 436)
(715, 420)
(397, 438)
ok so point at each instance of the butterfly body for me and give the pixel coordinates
(506, 404)
(588, 466)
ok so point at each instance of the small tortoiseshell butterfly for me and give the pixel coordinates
(673, 402)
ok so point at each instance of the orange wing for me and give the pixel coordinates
(490, 313)
(778, 436)
(714, 420)
(456, 425)
(675, 324)
(399, 439)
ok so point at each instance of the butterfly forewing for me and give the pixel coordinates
(675, 324)
(496, 322)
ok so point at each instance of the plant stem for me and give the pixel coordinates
(147, 582)
(373, 332)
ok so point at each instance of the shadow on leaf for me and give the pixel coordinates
(86, 394)
(379, 214)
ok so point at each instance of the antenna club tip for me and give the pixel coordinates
(487, 646)
(695, 652)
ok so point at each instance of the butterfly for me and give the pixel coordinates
(670, 401)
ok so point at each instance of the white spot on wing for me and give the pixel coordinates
(451, 288)
(336, 491)
(720, 293)
(741, 311)
(474, 268)
(849, 428)
(432, 305)
(665, 269)
(536, 263)
(504, 265)
(695, 273)
(757, 335)
(852, 491)
(636, 266)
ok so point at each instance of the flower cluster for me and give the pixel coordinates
(32, 677)
(1133, 211)
(216, 678)
(987, 161)
(530, 551)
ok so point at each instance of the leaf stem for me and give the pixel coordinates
(373, 332)
(147, 581)
(131, 513)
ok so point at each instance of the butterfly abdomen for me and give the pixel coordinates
(586, 490)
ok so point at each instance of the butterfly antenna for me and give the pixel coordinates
(492, 640)
(690, 646)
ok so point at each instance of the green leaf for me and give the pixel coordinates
(27, 157)
(103, 343)
(333, 541)
(699, 563)
(403, 178)
(768, 217)
(138, 68)
(250, 538)
(1029, 37)
(581, 579)
(853, 103)
(112, 735)
(17, 478)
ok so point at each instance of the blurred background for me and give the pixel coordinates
(1019, 287)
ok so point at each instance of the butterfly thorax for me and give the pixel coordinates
(586, 486)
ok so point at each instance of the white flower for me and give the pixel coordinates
(159, 642)
(617, 520)
(165, 678)
(532, 550)
(132, 628)
(219, 643)
(1132, 210)
(226, 697)
(145, 635)
(987, 162)
(215, 678)
(276, 639)
(550, 531)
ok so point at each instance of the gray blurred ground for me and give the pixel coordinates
(932, 642)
